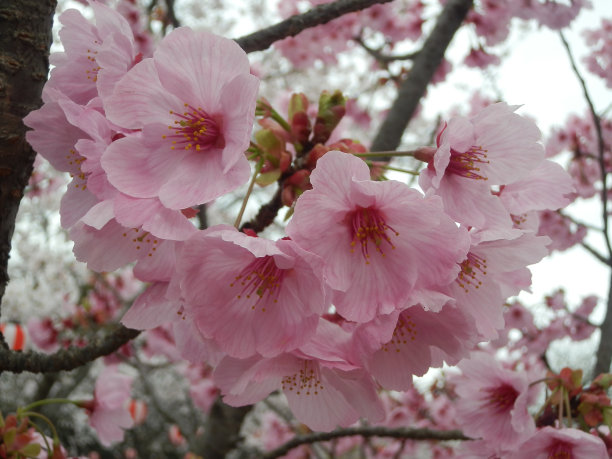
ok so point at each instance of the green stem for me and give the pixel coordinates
(384, 154)
(248, 193)
(47, 401)
(391, 168)
(34, 414)
(278, 118)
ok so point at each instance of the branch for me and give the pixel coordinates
(267, 213)
(25, 38)
(423, 69)
(65, 359)
(171, 15)
(290, 27)
(221, 431)
(604, 350)
(600, 144)
(366, 432)
(384, 59)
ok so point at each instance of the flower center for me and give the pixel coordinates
(307, 381)
(193, 129)
(560, 450)
(405, 331)
(502, 398)
(92, 73)
(467, 164)
(142, 240)
(368, 225)
(471, 268)
(261, 278)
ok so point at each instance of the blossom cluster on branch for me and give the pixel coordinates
(372, 283)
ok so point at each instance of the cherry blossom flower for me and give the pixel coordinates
(323, 388)
(550, 442)
(194, 102)
(486, 277)
(382, 241)
(95, 57)
(493, 402)
(494, 147)
(109, 411)
(600, 60)
(421, 340)
(249, 294)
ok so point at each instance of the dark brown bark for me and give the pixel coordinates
(66, 359)
(366, 432)
(425, 64)
(290, 27)
(25, 38)
(222, 429)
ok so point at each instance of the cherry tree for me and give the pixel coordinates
(269, 265)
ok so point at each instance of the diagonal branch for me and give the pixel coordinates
(290, 27)
(65, 359)
(367, 432)
(425, 64)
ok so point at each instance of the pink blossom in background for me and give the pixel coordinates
(196, 116)
(493, 402)
(382, 241)
(109, 412)
(600, 60)
(562, 232)
(549, 442)
(480, 58)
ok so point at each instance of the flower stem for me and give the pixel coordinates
(384, 154)
(47, 401)
(248, 193)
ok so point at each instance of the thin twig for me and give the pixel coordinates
(384, 59)
(600, 143)
(425, 65)
(290, 27)
(366, 432)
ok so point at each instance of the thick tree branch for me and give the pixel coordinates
(366, 432)
(25, 38)
(222, 429)
(425, 64)
(65, 359)
(290, 27)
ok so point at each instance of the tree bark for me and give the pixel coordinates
(25, 39)
(424, 66)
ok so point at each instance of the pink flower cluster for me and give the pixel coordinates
(376, 281)
(144, 140)
(396, 20)
(493, 406)
(600, 60)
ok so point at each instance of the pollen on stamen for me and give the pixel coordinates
(261, 280)
(194, 129)
(467, 164)
(368, 226)
(473, 268)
